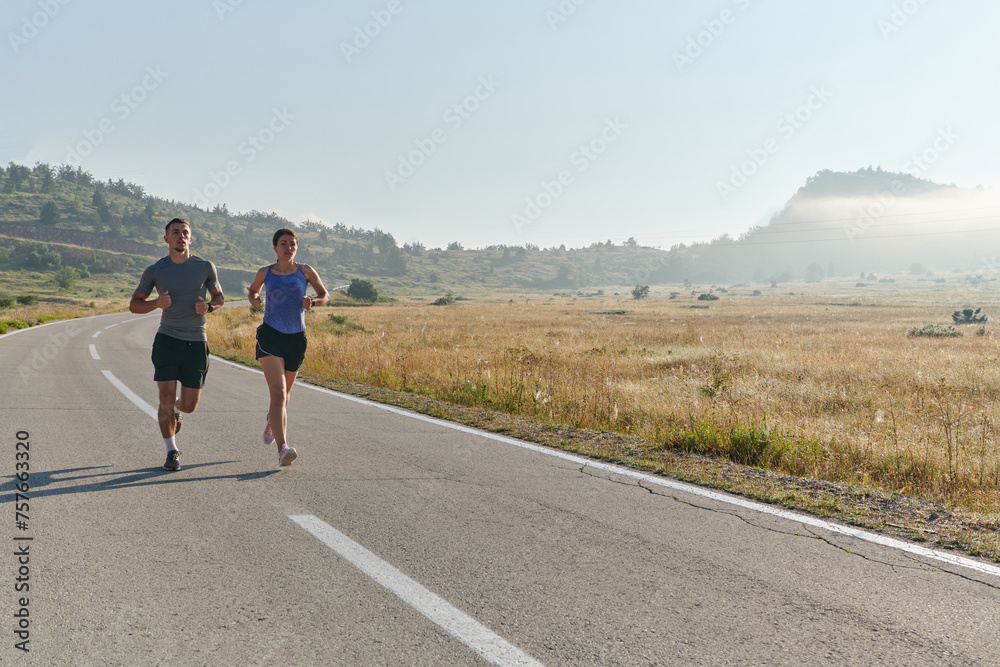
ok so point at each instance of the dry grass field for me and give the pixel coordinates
(823, 383)
(22, 316)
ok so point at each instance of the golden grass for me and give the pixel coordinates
(794, 383)
(23, 316)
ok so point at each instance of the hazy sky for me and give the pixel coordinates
(511, 122)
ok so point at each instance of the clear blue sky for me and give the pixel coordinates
(314, 120)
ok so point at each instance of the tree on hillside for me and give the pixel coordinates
(50, 214)
(393, 262)
(455, 245)
(16, 175)
(48, 182)
(67, 277)
(640, 292)
(362, 290)
(98, 200)
(113, 222)
(104, 212)
(384, 241)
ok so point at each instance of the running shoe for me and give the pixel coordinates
(172, 463)
(177, 422)
(268, 436)
(286, 455)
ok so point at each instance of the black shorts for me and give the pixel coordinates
(183, 360)
(290, 347)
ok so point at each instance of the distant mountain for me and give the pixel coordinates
(846, 223)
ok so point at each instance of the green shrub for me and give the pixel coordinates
(968, 316)
(935, 331)
(67, 277)
(708, 296)
(342, 324)
(640, 292)
(750, 445)
(6, 302)
(362, 290)
(446, 300)
(27, 299)
(15, 324)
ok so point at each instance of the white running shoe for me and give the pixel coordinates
(268, 436)
(286, 455)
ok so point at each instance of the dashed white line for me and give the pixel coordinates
(494, 648)
(96, 334)
(93, 352)
(131, 395)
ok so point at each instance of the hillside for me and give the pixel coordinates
(55, 216)
(836, 224)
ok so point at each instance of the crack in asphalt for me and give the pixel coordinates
(921, 565)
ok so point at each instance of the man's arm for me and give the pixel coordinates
(201, 307)
(140, 305)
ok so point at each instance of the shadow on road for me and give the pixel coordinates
(41, 483)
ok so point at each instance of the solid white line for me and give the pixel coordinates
(93, 351)
(130, 395)
(497, 650)
(942, 556)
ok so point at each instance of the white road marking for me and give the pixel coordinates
(942, 556)
(131, 395)
(96, 334)
(93, 352)
(497, 650)
(113, 325)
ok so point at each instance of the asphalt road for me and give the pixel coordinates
(395, 540)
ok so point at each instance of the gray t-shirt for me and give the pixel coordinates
(185, 283)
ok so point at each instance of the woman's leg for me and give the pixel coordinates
(274, 373)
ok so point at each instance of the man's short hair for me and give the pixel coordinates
(281, 232)
(166, 230)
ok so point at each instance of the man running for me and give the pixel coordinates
(180, 348)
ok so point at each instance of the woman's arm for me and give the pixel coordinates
(322, 296)
(253, 292)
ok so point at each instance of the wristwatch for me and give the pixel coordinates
(210, 307)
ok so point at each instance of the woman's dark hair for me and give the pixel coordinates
(281, 232)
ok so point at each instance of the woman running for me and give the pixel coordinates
(281, 339)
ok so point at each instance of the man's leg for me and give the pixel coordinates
(165, 413)
(167, 417)
(188, 402)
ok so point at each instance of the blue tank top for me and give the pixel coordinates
(283, 301)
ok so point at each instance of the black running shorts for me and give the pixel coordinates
(290, 347)
(182, 360)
